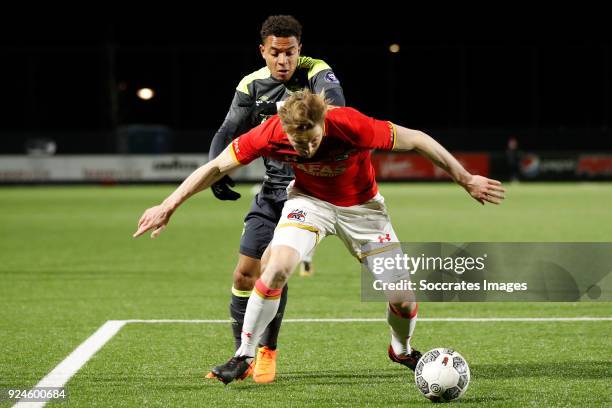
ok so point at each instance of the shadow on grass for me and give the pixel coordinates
(571, 370)
(563, 370)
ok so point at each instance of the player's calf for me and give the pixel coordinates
(402, 319)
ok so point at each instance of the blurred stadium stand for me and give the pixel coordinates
(69, 97)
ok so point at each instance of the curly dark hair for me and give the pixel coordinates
(281, 26)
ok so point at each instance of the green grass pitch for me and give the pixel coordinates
(69, 264)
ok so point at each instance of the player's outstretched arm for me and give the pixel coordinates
(482, 189)
(156, 218)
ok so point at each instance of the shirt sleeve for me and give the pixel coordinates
(251, 144)
(322, 78)
(367, 132)
(235, 123)
(326, 80)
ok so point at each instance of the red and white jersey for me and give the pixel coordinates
(341, 171)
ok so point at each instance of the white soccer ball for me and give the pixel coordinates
(442, 374)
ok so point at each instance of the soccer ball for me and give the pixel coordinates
(442, 374)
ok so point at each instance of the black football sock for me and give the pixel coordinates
(238, 306)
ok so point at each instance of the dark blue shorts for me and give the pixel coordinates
(261, 220)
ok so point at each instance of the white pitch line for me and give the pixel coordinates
(517, 319)
(196, 321)
(62, 373)
(368, 320)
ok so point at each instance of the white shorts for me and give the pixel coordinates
(306, 220)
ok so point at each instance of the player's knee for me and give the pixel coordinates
(264, 263)
(276, 275)
(406, 308)
(244, 278)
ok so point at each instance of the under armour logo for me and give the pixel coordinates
(247, 334)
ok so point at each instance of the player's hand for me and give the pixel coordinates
(155, 218)
(221, 189)
(484, 189)
(262, 110)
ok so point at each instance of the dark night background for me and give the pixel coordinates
(472, 82)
